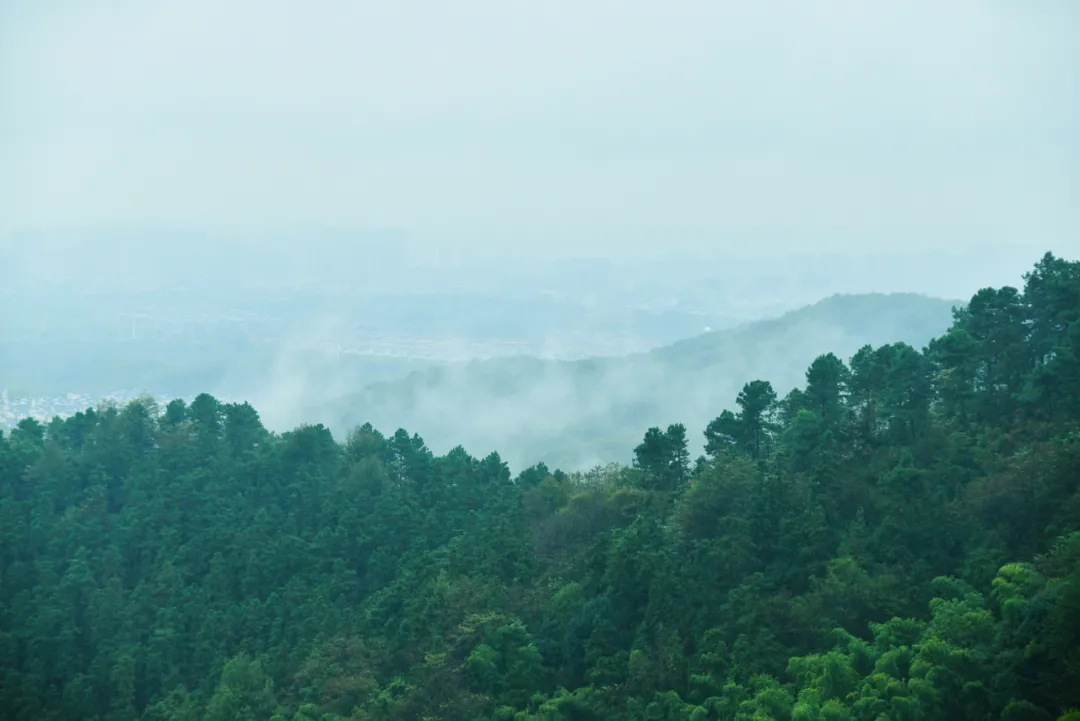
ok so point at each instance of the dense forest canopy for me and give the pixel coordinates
(898, 538)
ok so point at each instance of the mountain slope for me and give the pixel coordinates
(576, 414)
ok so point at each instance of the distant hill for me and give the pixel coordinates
(575, 414)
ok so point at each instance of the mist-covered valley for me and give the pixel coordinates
(564, 361)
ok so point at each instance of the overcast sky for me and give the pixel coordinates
(571, 126)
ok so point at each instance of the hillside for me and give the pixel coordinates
(580, 413)
(898, 538)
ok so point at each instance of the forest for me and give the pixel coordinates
(897, 538)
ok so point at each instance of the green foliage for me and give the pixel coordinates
(898, 539)
(663, 457)
(751, 430)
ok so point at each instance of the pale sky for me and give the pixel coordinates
(569, 126)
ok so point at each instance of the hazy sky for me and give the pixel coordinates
(573, 126)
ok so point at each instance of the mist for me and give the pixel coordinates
(579, 414)
(442, 216)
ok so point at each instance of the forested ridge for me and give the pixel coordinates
(899, 538)
(574, 414)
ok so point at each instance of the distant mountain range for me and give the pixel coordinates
(575, 414)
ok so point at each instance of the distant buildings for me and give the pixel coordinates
(14, 408)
